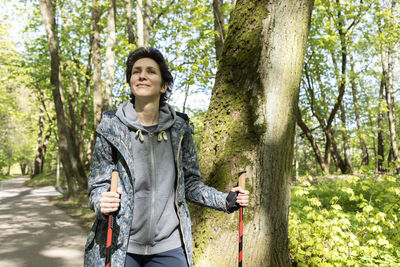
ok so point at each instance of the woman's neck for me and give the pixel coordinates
(147, 113)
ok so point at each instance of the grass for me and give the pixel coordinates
(6, 177)
(46, 179)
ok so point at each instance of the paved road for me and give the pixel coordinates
(35, 233)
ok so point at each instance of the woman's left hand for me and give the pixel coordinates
(243, 196)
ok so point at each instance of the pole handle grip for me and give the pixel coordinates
(242, 180)
(114, 181)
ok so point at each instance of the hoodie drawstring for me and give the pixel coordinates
(140, 135)
(162, 135)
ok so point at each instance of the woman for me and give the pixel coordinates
(152, 148)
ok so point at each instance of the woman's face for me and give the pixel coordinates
(146, 81)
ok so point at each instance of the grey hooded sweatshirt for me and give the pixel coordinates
(155, 224)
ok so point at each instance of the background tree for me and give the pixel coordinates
(72, 166)
(332, 36)
(361, 133)
(129, 21)
(110, 56)
(219, 26)
(43, 138)
(386, 48)
(97, 84)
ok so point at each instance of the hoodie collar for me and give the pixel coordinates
(127, 114)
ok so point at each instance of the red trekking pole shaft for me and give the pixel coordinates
(111, 220)
(242, 184)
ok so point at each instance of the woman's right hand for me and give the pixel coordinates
(109, 201)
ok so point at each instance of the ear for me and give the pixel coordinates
(164, 88)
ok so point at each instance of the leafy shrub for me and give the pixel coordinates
(346, 222)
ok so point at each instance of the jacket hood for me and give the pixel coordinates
(127, 114)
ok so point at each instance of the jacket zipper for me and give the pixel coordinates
(153, 187)
(176, 202)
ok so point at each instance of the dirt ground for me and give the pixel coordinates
(35, 233)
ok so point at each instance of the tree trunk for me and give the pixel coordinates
(372, 124)
(72, 108)
(330, 144)
(387, 71)
(9, 167)
(340, 163)
(40, 148)
(313, 142)
(327, 155)
(250, 125)
(110, 57)
(96, 56)
(44, 148)
(37, 161)
(85, 108)
(139, 23)
(344, 165)
(381, 148)
(387, 63)
(58, 170)
(219, 26)
(147, 23)
(390, 156)
(346, 145)
(186, 97)
(365, 158)
(97, 93)
(129, 23)
(23, 168)
(72, 166)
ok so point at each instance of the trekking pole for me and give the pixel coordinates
(242, 184)
(111, 219)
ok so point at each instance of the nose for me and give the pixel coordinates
(142, 75)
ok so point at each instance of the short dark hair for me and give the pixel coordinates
(155, 54)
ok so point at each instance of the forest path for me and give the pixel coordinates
(35, 233)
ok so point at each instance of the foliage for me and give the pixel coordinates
(197, 118)
(322, 76)
(183, 31)
(348, 221)
(17, 112)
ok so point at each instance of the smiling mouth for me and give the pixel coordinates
(142, 85)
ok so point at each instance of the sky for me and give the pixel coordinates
(10, 11)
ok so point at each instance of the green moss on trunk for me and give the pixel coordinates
(230, 129)
(230, 132)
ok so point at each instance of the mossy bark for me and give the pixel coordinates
(250, 126)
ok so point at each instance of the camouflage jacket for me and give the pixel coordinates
(113, 133)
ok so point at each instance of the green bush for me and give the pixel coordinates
(346, 222)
